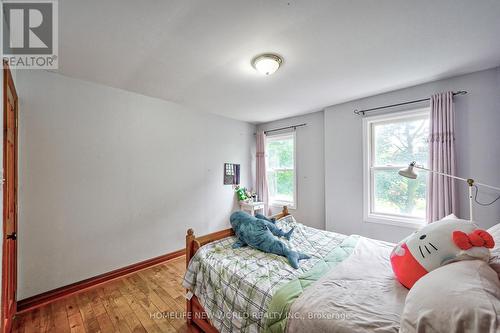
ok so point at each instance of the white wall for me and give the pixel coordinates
(477, 140)
(109, 178)
(310, 167)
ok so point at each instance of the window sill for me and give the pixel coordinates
(280, 204)
(395, 221)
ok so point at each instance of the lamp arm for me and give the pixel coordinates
(469, 181)
(439, 173)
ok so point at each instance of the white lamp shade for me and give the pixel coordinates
(408, 172)
(267, 64)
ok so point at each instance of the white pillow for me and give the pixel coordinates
(495, 232)
(459, 297)
(495, 252)
(450, 217)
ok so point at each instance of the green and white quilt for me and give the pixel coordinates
(237, 286)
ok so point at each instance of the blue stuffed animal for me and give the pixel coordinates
(262, 217)
(259, 234)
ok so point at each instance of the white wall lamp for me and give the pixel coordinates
(412, 174)
(267, 64)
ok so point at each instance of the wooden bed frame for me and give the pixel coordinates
(195, 314)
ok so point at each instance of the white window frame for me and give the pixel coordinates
(368, 215)
(280, 203)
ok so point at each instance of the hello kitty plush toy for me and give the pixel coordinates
(438, 244)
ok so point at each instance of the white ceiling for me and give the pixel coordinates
(198, 52)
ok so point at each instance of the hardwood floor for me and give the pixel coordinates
(151, 300)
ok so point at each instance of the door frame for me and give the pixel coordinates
(8, 318)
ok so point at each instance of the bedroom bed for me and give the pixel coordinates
(346, 286)
(246, 290)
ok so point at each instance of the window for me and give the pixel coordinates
(280, 165)
(391, 142)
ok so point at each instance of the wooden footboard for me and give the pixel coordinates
(195, 314)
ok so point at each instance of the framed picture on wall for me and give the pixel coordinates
(231, 174)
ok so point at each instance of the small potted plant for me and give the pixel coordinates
(241, 193)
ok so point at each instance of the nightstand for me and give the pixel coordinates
(251, 207)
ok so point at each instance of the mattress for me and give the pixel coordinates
(359, 295)
(236, 286)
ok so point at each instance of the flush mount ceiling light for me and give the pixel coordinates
(267, 64)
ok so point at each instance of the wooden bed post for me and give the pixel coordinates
(189, 245)
(285, 211)
(189, 254)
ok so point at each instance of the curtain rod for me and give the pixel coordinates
(362, 112)
(284, 128)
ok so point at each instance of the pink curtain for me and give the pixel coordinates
(441, 190)
(261, 182)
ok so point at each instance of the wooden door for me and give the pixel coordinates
(9, 260)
